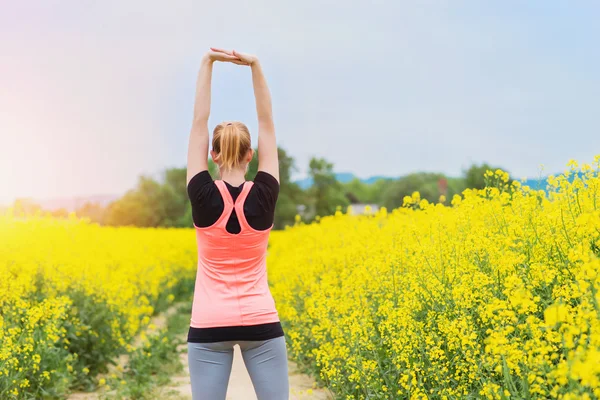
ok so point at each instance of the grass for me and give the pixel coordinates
(151, 366)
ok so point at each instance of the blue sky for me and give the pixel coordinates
(95, 93)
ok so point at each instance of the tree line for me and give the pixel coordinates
(164, 202)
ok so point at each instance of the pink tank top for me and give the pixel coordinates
(231, 286)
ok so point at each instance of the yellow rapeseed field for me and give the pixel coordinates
(495, 295)
(72, 295)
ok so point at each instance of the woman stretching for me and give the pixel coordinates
(233, 218)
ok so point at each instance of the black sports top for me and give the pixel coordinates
(259, 210)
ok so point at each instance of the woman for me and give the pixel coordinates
(233, 218)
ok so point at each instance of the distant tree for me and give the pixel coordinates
(455, 186)
(369, 193)
(59, 213)
(426, 183)
(356, 191)
(23, 207)
(94, 211)
(142, 206)
(153, 204)
(175, 198)
(326, 193)
(352, 198)
(290, 194)
(474, 176)
(377, 189)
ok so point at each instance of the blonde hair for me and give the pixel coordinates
(231, 141)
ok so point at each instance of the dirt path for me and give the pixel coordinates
(240, 385)
(302, 387)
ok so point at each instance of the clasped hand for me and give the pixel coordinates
(232, 56)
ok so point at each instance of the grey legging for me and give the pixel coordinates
(265, 360)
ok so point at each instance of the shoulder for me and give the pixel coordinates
(267, 181)
(259, 208)
(201, 178)
(200, 184)
(264, 192)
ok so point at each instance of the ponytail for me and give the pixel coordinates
(231, 141)
(230, 147)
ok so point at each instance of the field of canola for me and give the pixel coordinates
(495, 295)
(73, 294)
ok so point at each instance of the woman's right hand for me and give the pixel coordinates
(247, 59)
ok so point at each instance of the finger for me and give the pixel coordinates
(225, 56)
(231, 58)
(238, 55)
(218, 50)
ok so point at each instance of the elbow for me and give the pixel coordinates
(266, 125)
(200, 120)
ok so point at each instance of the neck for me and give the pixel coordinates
(234, 177)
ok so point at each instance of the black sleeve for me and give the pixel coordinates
(207, 204)
(267, 191)
(197, 186)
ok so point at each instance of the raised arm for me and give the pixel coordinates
(268, 160)
(197, 159)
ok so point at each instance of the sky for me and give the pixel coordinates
(95, 93)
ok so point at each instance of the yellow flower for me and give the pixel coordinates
(556, 313)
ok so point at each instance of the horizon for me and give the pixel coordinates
(97, 94)
(298, 181)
